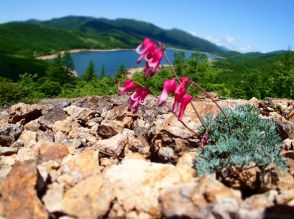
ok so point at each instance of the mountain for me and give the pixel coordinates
(34, 38)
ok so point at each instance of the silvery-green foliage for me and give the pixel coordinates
(253, 141)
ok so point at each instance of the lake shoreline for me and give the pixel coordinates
(53, 56)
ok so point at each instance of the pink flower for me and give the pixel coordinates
(203, 141)
(137, 98)
(169, 86)
(149, 51)
(184, 102)
(180, 91)
(129, 86)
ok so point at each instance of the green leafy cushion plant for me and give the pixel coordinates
(252, 141)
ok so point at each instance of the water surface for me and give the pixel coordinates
(111, 60)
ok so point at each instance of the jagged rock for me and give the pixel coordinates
(33, 125)
(46, 135)
(106, 131)
(186, 162)
(83, 134)
(288, 144)
(25, 153)
(116, 144)
(166, 154)
(201, 199)
(285, 196)
(29, 138)
(253, 101)
(81, 166)
(4, 117)
(273, 178)
(67, 126)
(52, 151)
(24, 113)
(81, 114)
(54, 197)
(60, 138)
(6, 163)
(241, 178)
(20, 198)
(8, 151)
(10, 133)
(90, 198)
(285, 129)
(254, 207)
(136, 184)
(17, 144)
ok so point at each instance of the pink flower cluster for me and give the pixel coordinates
(181, 100)
(149, 51)
(152, 54)
(137, 98)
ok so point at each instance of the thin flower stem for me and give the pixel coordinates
(200, 88)
(165, 104)
(178, 79)
(213, 100)
(169, 109)
(196, 112)
(171, 66)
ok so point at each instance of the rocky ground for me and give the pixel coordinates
(91, 158)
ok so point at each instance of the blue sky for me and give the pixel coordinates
(243, 25)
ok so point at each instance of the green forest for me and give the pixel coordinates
(270, 75)
(27, 79)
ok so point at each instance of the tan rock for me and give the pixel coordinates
(60, 138)
(83, 133)
(29, 138)
(24, 113)
(33, 125)
(69, 125)
(254, 206)
(20, 199)
(10, 133)
(54, 197)
(253, 101)
(288, 144)
(186, 162)
(6, 151)
(52, 151)
(81, 166)
(27, 154)
(82, 114)
(275, 179)
(116, 144)
(107, 130)
(201, 199)
(90, 198)
(137, 183)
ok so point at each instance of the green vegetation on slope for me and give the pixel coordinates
(35, 38)
(242, 76)
(13, 66)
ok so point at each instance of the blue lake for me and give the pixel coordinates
(111, 60)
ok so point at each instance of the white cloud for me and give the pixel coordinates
(245, 49)
(193, 33)
(229, 42)
(214, 40)
(229, 39)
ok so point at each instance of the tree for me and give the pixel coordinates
(67, 61)
(102, 73)
(90, 72)
(121, 72)
(58, 59)
(284, 72)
